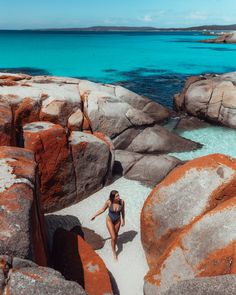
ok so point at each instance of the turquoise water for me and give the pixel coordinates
(154, 64)
(215, 139)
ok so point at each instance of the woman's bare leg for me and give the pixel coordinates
(111, 230)
(117, 227)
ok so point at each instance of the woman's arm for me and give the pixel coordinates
(123, 214)
(101, 210)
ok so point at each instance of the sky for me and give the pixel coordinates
(32, 14)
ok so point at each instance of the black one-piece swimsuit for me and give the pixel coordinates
(115, 215)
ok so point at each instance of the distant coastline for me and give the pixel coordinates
(136, 29)
(142, 29)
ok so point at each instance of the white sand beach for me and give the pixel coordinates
(131, 266)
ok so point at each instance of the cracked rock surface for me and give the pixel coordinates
(211, 97)
(21, 221)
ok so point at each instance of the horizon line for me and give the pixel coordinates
(116, 26)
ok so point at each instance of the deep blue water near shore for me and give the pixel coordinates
(155, 64)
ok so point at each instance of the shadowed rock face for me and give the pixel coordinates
(23, 277)
(78, 262)
(211, 97)
(71, 223)
(22, 228)
(188, 223)
(6, 129)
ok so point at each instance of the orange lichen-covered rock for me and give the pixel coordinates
(58, 111)
(77, 261)
(26, 111)
(57, 182)
(33, 98)
(70, 171)
(188, 223)
(127, 118)
(6, 127)
(21, 222)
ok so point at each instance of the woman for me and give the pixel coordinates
(113, 220)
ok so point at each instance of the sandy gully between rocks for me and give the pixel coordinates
(131, 266)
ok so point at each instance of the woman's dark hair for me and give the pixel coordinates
(112, 195)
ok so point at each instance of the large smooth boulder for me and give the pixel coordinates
(211, 97)
(57, 182)
(182, 222)
(23, 277)
(22, 231)
(148, 169)
(153, 140)
(91, 161)
(77, 261)
(113, 109)
(107, 114)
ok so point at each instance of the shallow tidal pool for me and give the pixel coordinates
(215, 139)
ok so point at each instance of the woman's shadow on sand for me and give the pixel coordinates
(124, 238)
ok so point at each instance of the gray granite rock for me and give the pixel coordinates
(188, 123)
(40, 281)
(148, 169)
(210, 97)
(91, 157)
(220, 285)
(157, 140)
(18, 263)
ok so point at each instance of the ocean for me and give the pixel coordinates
(154, 64)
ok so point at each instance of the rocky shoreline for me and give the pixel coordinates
(63, 139)
(229, 38)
